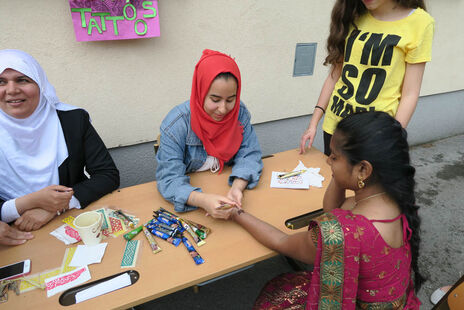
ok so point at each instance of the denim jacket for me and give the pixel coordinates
(181, 152)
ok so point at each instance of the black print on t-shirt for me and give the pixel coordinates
(376, 53)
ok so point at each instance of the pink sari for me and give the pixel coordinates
(354, 269)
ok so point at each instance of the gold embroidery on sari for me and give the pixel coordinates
(332, 254)
(366, 258)
(359, 232)
(292, 296)
(397, 304)
(350, 216)
(332, 233)
(391, 290)
(332, 262)
(314, 235)
(386, 250)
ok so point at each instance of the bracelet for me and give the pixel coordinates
(60, 212)
(318, 107)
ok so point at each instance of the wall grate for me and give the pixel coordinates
(305, 55)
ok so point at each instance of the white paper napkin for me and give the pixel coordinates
(88, 254)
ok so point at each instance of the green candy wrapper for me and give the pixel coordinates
(131, 234)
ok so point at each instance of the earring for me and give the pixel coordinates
(360, 183)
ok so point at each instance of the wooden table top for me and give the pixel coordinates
(227, 248)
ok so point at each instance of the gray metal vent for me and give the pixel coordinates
(305, 55)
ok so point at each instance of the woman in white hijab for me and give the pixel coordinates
(44, 147)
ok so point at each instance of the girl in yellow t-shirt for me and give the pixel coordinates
(377, 50)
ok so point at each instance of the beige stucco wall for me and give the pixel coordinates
(128, 86)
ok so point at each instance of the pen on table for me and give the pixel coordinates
(225, 206)
(125, 216)
(291, 174)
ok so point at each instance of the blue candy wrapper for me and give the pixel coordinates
(173, 240)
(196, 257)
(164, 220)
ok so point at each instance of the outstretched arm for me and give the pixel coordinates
(322, 102)
(299, 246)
(211, 203)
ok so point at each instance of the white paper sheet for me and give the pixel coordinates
(296, 182)
(88, 254)
(104, 287)
(64, 281)
(302, 181)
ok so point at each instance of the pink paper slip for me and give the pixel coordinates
(67, 280)
(114, 19)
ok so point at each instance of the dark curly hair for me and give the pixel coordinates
(382, 141)
(344, 14)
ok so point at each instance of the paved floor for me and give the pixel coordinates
(440, 193)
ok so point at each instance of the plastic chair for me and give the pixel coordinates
(453, 299)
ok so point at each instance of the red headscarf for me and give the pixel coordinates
(221, 139)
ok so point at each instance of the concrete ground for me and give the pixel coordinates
(440, 193)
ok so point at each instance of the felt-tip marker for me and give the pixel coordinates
(290, 174)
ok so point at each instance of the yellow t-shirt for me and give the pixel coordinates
(374, 64)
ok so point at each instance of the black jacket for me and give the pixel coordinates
(85, 149)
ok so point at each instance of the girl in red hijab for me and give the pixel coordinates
(210, 130)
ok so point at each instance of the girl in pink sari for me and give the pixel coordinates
(364, 248)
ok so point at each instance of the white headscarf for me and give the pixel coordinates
(31, 149)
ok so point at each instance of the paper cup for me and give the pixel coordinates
(89, 226)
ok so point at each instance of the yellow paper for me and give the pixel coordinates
(29, 283)
(68, 255)
(37, 280)
(69, 220)
(48, 274)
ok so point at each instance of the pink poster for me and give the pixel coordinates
(97, 20)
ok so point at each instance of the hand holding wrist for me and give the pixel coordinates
(213, 204)
(25, 203)
(52, 198)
